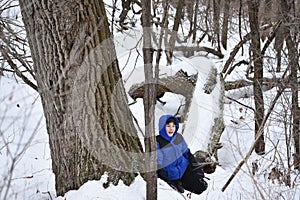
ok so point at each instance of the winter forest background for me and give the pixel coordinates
(80, 79)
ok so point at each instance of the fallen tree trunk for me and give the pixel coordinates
(180, 83)
(268, 83)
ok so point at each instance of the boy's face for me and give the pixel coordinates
(170, 129)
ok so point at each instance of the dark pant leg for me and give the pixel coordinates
(193, 181)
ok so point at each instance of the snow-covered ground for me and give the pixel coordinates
(25, 155)
(25, 160)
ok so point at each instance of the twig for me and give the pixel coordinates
(240, 103)
(137, 124)
(48, 194)
(17, 71)
(260, 132)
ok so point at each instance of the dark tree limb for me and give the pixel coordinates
(268, 83)
(246, 106)
(177, 21)
(227, 69)
(126, 7)
(234, 52)
(237, 65)
(16, 70)
(271, 37)
(205, 49)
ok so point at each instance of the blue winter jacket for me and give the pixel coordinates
(172, 152)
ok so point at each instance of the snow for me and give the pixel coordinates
(24, 148)
(23, 136)
(22, 122)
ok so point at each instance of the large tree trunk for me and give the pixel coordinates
(257, 58)
(88, 120)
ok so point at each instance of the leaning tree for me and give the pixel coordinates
(87, 115)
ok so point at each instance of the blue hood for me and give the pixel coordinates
(162, 127)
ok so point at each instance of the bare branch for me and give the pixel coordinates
(17, 71)
(260, 132)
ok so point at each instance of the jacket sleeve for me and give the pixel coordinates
(185, 149)
(187, 153)
(191, 157)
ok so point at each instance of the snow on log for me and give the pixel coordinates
(204, 124)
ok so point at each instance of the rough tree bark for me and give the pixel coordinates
(195, 22)
(127, 5)
(171, 44)
(267, 15)
(149, 104)
(226, 15)
(189, 10)
(85, 106)
(288, 11)
(216, 25)
(255, 49)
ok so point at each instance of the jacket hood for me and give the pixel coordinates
(162, 127)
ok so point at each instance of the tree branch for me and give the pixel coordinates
(17, 71)
(260, 132)
(234, 52)
(206, 49)
(180, 83)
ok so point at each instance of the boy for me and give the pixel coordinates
(176, 164)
